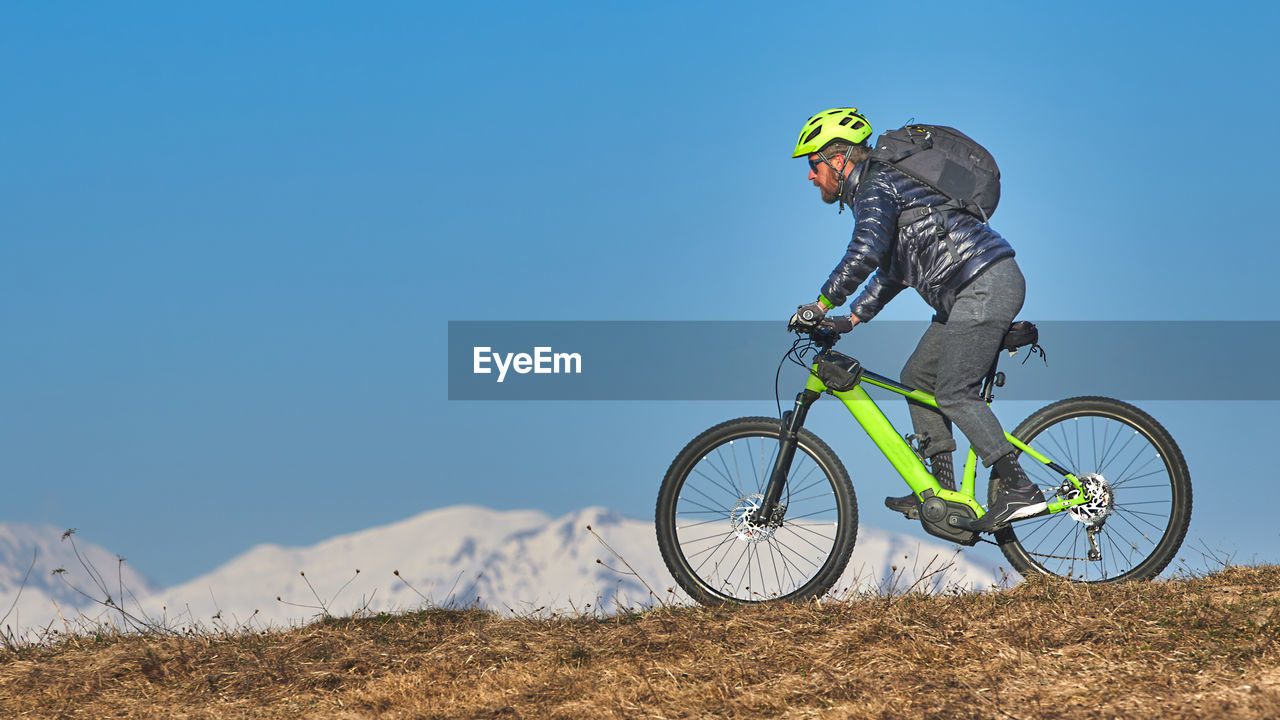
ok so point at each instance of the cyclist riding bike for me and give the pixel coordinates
(961, 267)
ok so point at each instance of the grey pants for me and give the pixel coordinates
(952, 360)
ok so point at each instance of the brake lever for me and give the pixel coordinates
(826, 332)
(839, 324)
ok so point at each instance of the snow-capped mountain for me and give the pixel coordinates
(522, 562)
(44, 569)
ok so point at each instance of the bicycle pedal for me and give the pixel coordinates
(910, 511)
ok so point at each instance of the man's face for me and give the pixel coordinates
(824, 178)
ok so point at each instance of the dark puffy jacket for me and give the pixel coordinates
(936, 261)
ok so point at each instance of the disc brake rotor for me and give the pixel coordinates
(740, 517)
(1102, 500)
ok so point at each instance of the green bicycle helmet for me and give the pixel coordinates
(845, 124)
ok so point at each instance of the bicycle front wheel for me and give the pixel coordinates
(708, 539)
(1138, 481)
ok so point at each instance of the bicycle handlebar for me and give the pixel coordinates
(826, 332)
(840, 324)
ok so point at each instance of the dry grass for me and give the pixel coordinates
(1203, 647)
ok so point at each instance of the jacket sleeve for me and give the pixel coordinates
(879, 290)
(875, 212)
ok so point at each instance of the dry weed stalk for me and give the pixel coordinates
(323, 606)
(1200, 647)
(630, 570)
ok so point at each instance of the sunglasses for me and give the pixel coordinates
(813, 164)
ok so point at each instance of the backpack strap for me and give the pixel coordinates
(913, 215)
(935, 212)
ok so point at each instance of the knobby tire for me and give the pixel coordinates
(712, 483)
(1150, 487)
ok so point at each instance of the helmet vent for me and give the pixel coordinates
(813, 134)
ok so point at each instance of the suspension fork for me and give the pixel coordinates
(792, 421)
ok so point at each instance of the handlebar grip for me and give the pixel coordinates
(841, 324)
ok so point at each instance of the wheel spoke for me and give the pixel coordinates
(1037, 525)
(754, 472)
(1113, 446)
(724, 538)
(809, 529)
(821, 511)
(1063, 452)
(1102, 466)
(723, 467)
(729, 490)
(1126, 509)
(1126, 481)
(723, 550)
(700, 523)
(1126, 514)
(1120, 476)
(1100, 460)
(777, 577)
(726, 544)
(704, 507)
(1065, 538)
(799, 489)
(783, 546)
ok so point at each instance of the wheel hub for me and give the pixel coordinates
(1102, 500)
(741, 517)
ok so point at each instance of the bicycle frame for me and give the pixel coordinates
(737, 524)
(894, 447)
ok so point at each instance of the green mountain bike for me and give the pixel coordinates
(758, 509)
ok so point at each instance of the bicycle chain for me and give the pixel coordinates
(1060, 557)
(1042, 555)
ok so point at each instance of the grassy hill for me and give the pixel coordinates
(1204, 647)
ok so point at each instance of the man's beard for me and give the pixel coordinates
(830, 197)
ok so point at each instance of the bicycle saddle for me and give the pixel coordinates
(1021, 334)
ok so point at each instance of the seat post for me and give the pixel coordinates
(989, 384)
(1020, 334)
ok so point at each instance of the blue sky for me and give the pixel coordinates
(232, 236)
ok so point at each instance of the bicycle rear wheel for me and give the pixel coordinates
(1140, 483)
(708, 541)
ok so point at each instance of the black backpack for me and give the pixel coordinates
(947, 160)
